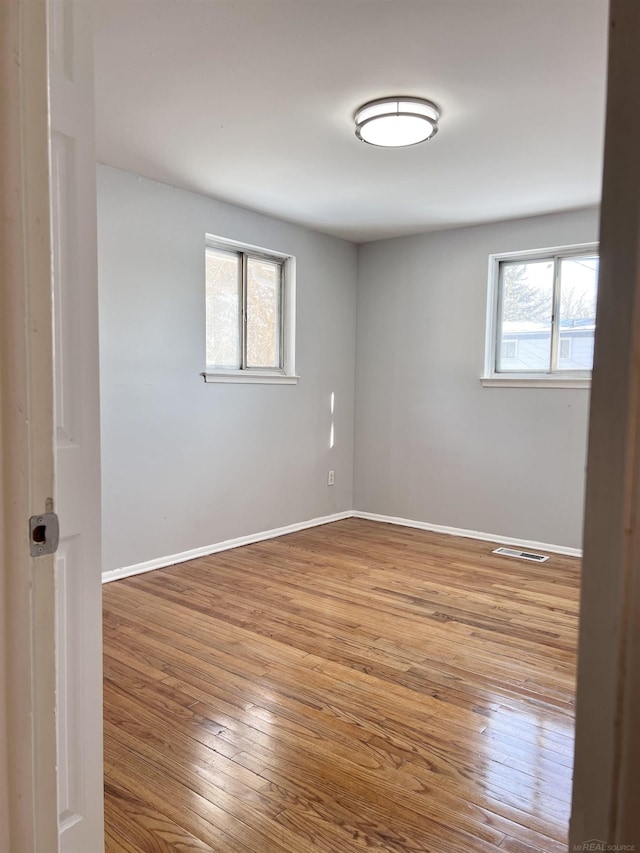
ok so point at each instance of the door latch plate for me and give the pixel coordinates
(44, 534)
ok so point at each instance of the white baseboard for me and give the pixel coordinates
(205, 551)
(228, 544)
(470, 534)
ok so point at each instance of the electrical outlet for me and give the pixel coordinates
(331, 478)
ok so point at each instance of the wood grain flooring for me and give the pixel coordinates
(356, 686)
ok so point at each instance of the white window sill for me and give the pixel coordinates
(535, 382)
(245, 376)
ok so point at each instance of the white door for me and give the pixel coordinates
(77, 428)
(50, 665)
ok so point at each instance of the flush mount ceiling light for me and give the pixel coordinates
(396, 122)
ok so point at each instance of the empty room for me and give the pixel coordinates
(347, 267)
(347, 276)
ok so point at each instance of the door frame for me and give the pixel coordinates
(607, 746)
(28, 781)
(606, 791)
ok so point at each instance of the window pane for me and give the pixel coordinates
(263, 313)
(578, 297)
(223, 309)
(524, 325)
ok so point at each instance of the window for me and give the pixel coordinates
(249, 314)
(542, 317)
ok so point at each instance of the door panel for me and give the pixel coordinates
(78, 561)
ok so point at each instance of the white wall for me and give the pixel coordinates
(432, 444)
(185, 464)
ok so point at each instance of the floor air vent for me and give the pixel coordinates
(521, 555)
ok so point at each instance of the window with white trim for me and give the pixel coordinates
(541, 316)
(249, 313)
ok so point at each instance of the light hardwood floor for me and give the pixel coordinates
(354, 686)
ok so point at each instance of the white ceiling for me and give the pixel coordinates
(252, 102)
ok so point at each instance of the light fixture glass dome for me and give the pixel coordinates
(397, 121)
